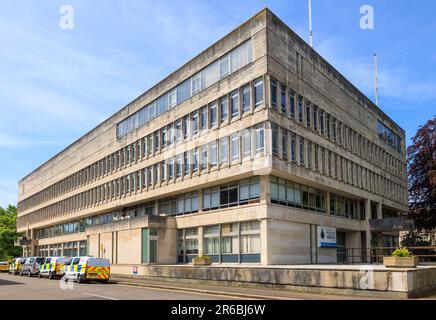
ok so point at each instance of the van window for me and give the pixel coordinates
(31, 260)
(76, 261)
(22, 260)
(40, 260)
(47, 260)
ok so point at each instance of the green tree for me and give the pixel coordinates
(8, 233)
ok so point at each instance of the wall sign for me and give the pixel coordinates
(326, 237)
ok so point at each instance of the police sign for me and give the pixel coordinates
(326, 237)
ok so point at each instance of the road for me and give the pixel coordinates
(15, 287)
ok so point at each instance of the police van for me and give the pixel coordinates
(87, 268)
(53, 267)
(16, 264)
(31, 266)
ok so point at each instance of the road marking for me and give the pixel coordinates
(96, 295)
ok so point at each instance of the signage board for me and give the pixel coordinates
(326, 237)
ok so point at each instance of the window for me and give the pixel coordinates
(194, 122)
(223, 109)
(274, 94)
(246, 143)
(196, 84)
(234, 103)
(300, 109)
(284, 144)
(315, 118)
(186, 163)
(178, 166)
(213, 153)
(283, 98)
(203, 118)
(203, 157)
(292, 103)
(229, 238)
(172, 98)
(293, 148)
(250, 237)
(195, 160)
(213, 114)
(156, 141)
(185, 127)
(260, 138)
(258, 92)
(235, 147)
(164, 137)
(275, 139)
(321, 121)
(178, 130)
(308, 115)
(224, 153)
(224, 66)
(246, 98)
(212, 239)
(301, 151)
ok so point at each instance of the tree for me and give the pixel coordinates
(8, 233)
(421, 160)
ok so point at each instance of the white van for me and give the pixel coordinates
(53, 267)
(88, 268)
(31, 266)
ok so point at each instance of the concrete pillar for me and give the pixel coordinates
(367, 229)
(264, 242)
(200, 242)
(379, 211)
(265, 189)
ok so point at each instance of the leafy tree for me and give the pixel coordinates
(421, 160)
(8, 233)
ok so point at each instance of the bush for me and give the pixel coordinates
(401, 252)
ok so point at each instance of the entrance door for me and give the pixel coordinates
(341, 251)
(149, 245)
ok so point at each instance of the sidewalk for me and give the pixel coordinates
(229, 291)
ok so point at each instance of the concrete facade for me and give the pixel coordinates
(276, 167)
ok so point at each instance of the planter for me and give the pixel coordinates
(401, 262)
(201, 261)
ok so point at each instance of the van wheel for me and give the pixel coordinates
(39, 275)
(79, 278)
(21, 274)
(29, 274)
(50, 275)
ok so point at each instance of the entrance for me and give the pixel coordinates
(149, 245)
(341, 250)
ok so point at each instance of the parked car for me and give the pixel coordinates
(88, 268)
(4, 266)
(53, 267)
(15, 266)
(31, 266)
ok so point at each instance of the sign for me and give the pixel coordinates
(326, 237)
(135, 270)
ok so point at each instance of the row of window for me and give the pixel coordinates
(226, 195)
(234, 242)
(292, 194)
(296, 149)
(66, 249)
(386, 134)
(217, 153)
(200, 121)
(288, 102)
(81, 225)
(223, 67)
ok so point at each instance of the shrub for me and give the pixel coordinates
(401, 252)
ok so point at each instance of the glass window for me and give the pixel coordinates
(172, 98)
(260, 138)
(246, 98)
(283, 98)
(203, 118)
(195, 84)
(224, 66)
(213, 153)
(300, 108)
(235, 146)
(258, 92)
(234, 103)
(213, 114)
(292, 103)
(246, 143)
(203, 157)
(273, 93)
(194, 122)
(224, 147)
(275, 139)
(223, 108)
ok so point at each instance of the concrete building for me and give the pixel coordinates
(255, 151)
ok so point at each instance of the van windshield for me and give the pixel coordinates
(47, 260)
(39, 260)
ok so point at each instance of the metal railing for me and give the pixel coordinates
(375, 255)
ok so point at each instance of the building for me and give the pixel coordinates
(255, 151)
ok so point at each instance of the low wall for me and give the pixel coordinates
(368, 280)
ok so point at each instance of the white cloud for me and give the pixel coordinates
(394, 82)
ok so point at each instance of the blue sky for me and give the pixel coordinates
(56, 84)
